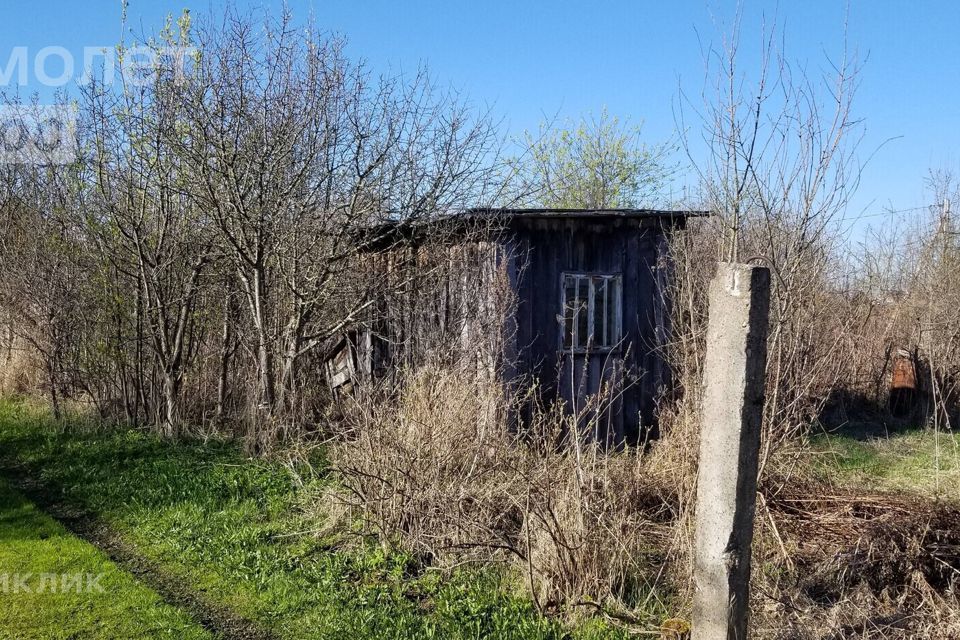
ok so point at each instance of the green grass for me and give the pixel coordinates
(38, 551)
(917, 461)
(232, 529)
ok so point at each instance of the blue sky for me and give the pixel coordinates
(532, 61)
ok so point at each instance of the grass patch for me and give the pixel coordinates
(915, 461)
(237, 530)
(41, 553)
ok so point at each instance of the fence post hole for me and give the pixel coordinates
(733, 388)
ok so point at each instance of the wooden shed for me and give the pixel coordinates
(575, 299)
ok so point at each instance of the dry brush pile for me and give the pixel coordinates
(434, 471)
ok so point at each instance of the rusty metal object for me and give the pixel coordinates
(904, 388)
(904, 371)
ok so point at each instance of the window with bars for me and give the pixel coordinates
(591, 311)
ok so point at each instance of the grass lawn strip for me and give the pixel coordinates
(917, 461)
(246, 535)
(59, 586)
(218, 619)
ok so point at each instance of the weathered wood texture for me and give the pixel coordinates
(636, 251)
(438, 303)
(498, 300)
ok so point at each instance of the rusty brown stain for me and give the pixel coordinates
(904, 371)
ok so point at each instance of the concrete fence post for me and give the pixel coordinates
(733, 388)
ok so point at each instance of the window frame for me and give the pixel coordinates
(617, 321)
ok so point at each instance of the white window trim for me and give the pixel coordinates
(591, 277)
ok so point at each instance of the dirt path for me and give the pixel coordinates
(219, 620)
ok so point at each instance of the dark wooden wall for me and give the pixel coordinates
(544, 248)
(497, 300)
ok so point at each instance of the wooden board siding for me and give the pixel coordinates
(436, 303)
(546, 248)
(496, 300)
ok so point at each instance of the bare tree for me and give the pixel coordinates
(296, 153)
(42, 259)
(161, 239)
(779, 167)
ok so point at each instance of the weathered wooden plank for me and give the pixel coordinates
(437, 307)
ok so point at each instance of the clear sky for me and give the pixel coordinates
(539, 60)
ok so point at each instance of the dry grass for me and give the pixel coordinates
(19, 372)
(435, 471)
(432, 470)
(838, 563)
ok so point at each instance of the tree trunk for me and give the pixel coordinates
(288, 369)
(171, 404)
(54, 394)
(266, 374)
(226, 353)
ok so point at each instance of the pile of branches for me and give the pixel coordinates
(834, 563)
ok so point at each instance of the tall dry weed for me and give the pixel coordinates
(433, 470)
